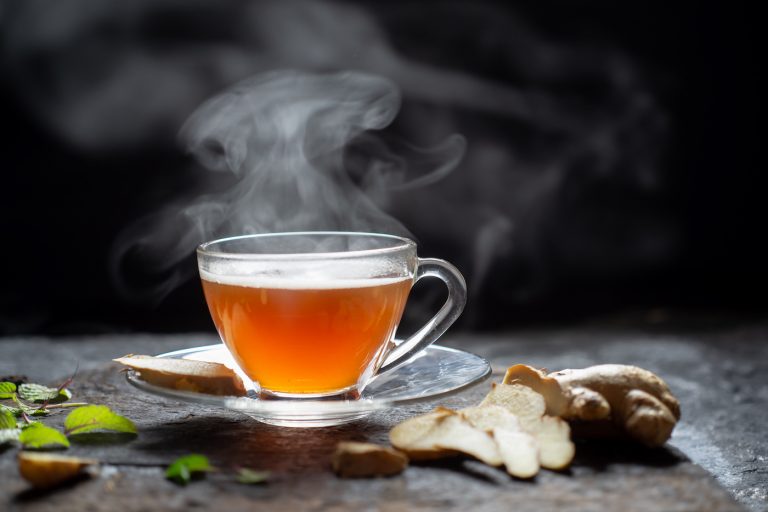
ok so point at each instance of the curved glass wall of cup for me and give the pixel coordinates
(308, 256)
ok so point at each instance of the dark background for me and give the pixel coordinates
(665, 212)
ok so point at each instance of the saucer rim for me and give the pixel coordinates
(248, 404)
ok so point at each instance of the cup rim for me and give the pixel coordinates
(405, 244)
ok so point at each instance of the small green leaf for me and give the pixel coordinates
(38, 393)
(96, 417)
(8, 431)
(39, 436)
(182, 469)
(7, 390)
(7, 419)
(13, 410)
(251, 477)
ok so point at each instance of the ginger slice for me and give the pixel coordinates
(537, 380)
(518, 449)
(489, 416)
(354, 459)
(552, 434)
(522, 401)
(45, 470)
(409, 436)
(443, 433)
(186, 375)
(556, 450)
(455, 433)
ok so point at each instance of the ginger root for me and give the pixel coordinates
(631, 400)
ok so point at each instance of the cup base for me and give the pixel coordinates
(309, 421)
(306, 410)
(351, 393)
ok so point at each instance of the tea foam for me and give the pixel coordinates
(302, 282)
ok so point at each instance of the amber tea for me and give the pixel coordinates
(307, 337)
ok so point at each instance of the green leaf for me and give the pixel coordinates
(13, 410)
(97, 417)
(8, 431)
(182, 469)
(39, 436)
(251, 477)
(7, 419)
(38, 393)
(7, 390)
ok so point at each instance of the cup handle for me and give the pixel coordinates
(438, 324)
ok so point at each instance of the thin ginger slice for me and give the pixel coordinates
(457, 434)
(522, 401)
(548, 387)
(518, 449)
(410, 438)
(443, 433)
(186, 375)
(556, 450)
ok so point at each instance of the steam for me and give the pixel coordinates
(557, 125)
(283, 136)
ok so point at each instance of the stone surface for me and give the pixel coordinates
(719, 374)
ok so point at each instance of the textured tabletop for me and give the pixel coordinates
(715, 460)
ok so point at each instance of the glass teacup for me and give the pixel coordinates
(313, 315)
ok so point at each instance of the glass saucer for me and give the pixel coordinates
(436, 371)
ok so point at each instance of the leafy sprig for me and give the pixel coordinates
(34, 400)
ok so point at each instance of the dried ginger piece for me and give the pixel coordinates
(46, 470)
(186, 375)
(353, 459)
(443, 433)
